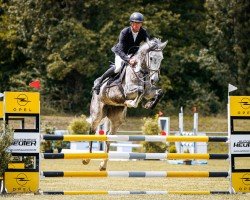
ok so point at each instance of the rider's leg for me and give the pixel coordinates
(118, 63)
(107, 74)
(111, 71)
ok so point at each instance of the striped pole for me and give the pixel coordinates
(134, 174)
(141, 156)
(136, 138)
(104, 192)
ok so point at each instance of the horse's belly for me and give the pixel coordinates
(131, 91)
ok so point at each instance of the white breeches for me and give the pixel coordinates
(118, 63)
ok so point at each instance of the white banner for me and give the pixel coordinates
(25, 143)
(240, 144)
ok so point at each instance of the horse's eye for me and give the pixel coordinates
(151, 58)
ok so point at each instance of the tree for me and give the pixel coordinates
(227, 57)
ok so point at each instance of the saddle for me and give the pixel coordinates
(117, 78)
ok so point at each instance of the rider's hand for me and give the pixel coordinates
(132, 62)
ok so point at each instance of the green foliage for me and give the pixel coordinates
(66, 45)
(228, 54)
(47, 146)
(154, 147)
(79, 126)
(48, 128)
(6, 139)
(172, 148)
(151, 127)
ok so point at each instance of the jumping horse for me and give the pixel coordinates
(137, 83)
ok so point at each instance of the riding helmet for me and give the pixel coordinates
(136, 17)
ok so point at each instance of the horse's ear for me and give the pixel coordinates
(163, 45)
(147, 40)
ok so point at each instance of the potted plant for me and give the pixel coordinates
(6, 139)
(58, 146)
(47, 146)
(151, 127)
(172, 148)
(81, 126)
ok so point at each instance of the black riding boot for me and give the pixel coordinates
(107, 74)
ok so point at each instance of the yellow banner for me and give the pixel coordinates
(1, 109)
(240, 106)
(22, 102)
(241, 181)
(16, 166)
(21, 182)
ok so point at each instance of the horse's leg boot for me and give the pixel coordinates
(107, 74)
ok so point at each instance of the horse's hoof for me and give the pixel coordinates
(102, 168)
(148, 105)
(86, 161)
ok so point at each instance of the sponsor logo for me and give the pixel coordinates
(242, 143)
(245, 103)
(24, 142)
(246, 179)
(22, 100)
(22, 179)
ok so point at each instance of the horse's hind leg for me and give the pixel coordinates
(97, 113)
(116, 115)
(93, 128)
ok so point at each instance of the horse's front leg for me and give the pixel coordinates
(134, 103)
(155, 99)
(103, 165)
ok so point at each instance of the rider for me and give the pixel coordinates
(129, 41)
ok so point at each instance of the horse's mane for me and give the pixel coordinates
(153, 44)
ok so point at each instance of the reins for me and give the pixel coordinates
(148, 75)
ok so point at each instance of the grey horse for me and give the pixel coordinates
(139, 82)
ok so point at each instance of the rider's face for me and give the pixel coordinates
(136, 26)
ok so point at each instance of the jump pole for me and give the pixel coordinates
(140, 156)
(195, 129)
(135, 138)
(136, 174)
(154, 192)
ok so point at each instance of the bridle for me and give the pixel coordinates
(148, 75)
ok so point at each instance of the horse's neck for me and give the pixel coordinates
(132, 74)
(141, 61)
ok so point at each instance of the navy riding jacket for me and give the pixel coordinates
(126, 44)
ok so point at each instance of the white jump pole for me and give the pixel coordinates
(181, 128)
(231, 88)
(164, 123)
(105, 128)
(195, 129)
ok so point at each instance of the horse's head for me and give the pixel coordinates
(153, 58)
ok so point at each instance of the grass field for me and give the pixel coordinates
(59, 184)
(210, 124)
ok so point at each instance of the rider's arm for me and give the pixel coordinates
(121, 47)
